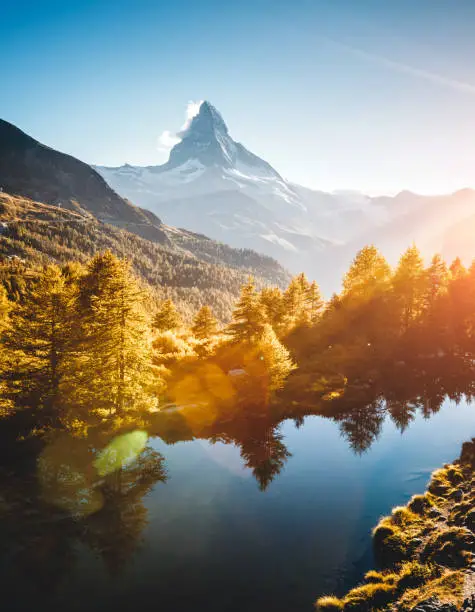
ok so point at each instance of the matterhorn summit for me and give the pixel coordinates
(207, 141)
(212, 185)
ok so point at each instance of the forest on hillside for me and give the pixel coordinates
(86, 342)
(188, 268)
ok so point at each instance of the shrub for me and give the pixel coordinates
(169, 346)
(329, 603)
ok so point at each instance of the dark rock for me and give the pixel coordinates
(469, 604)
(470, 520)
(433, 604)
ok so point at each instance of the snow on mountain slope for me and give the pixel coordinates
(213, 185)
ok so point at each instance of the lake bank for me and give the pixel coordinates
(424, 550)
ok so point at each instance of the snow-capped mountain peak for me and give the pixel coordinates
(207, 140)
(214, 185)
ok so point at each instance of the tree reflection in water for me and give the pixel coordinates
(61, 491)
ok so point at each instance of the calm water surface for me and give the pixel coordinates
(212, 541)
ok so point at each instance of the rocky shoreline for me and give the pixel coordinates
(425, 550)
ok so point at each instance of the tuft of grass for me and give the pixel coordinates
(329, 603)
(414, 574)
(402, 516)
(419, 504)
(455, 475)
(447, 589)
(439, 484)
(460, 513)
(374, 577)
(470, 520)
(370, 597)
(390, 544)
(445, 479)
(450, 547)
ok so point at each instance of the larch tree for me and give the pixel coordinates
(410, 286)
(249, 318)
(276, 358)
(461, 303)
(40, 335)
(436, 301)
(296, 301)
(368, 274)
(112, 369)
(5, 308)
(457, 269)
(315, 303)
(204, 324)
(272, 300)
(437, 279)
(167, 317)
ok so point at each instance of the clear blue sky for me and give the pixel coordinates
(374, 95)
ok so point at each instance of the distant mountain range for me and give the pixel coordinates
(213, 185)
(55, 207)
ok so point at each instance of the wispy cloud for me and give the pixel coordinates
(427, 75)
(167, 139)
